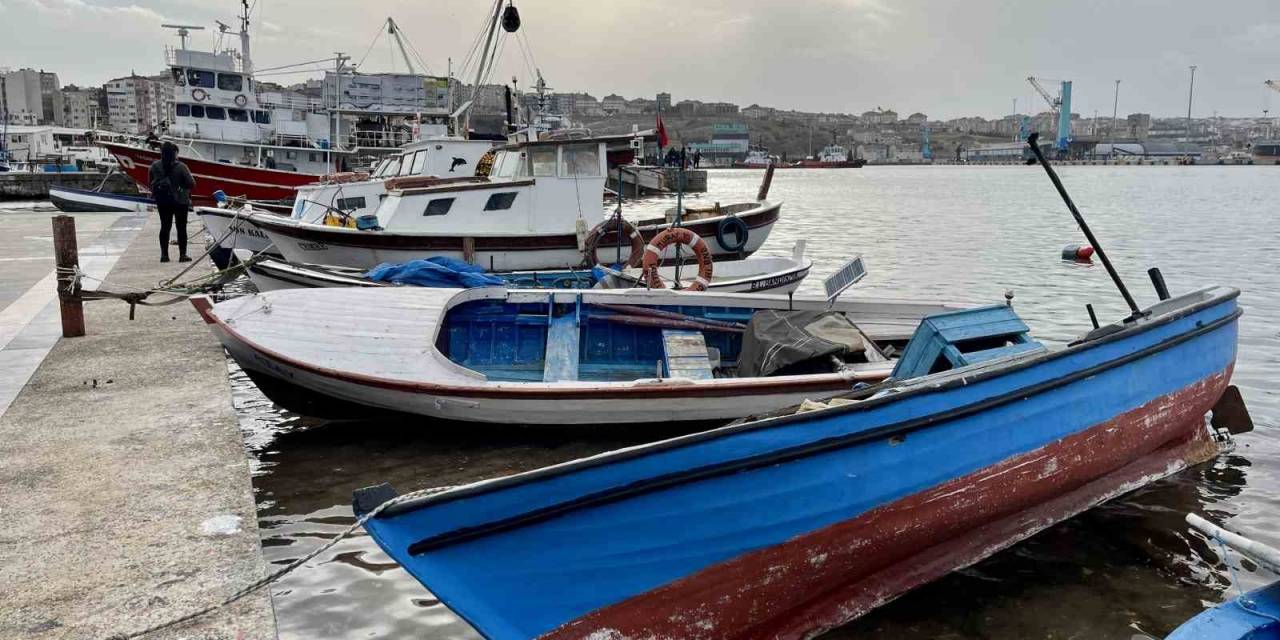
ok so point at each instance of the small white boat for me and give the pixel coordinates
(758, 274)
(81, 200)
(498, 355)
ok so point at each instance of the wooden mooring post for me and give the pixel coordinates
(67, 262)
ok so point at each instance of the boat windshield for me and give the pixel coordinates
(390, 168)
(381, 171)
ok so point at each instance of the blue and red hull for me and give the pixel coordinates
(790, 526)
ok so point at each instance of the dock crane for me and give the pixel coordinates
(394, 30)
(1060, 106)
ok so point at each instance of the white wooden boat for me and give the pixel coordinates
(531, 213)
(758, 274)
(81, 200)
(545, 357)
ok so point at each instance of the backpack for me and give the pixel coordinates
(163, 190)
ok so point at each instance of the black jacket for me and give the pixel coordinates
(179, 175)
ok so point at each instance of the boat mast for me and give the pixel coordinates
(246, 59)
(394, 30)
(484, 58)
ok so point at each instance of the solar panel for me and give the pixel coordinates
(844, 277)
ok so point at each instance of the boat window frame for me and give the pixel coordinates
(548, 169)
(501, 201)
(261, 116)
(177, 110)
(244, 115)
(419, 162)
(237, 86)
(393, 167)
(209, 110)
(201, 78)
(193, 110)
(359, 202)
(570, 153)
(405, 167)
(433, 209)
(179, 77)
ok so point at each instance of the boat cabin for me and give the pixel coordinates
(544, 186)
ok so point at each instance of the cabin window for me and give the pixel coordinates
(392, 167)
(215, 113)
(542, 161)
(238, 115)
(291, 154)
(580, 160)
(230, 82)
(438, 207)
(419, 160)
(349, 204)
(179, 78)
(262, 117)
(182, 110)
(198, 78)
(406, 164)
(382, 169)
(500, 201)
(313, 156)
(197, 111)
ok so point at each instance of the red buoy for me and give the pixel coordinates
(1081, 253)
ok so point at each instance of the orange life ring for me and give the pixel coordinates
(653, 257)
(241, 100)
(610, 226)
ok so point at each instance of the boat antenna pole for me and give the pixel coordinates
(1032, 141)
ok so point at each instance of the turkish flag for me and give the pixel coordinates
(662, 134)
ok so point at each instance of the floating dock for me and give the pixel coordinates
(125, 488)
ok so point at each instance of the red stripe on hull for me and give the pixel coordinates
(819, 580)
(234, 180)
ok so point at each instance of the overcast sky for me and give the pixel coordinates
(945, 58)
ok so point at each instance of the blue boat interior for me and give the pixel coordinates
(534, 342)
(552, 342)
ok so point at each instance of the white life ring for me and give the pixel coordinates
(126, 162)
(241, 100)
(199, 95)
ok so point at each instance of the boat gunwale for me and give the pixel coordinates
(1001, 368)
(99, 194)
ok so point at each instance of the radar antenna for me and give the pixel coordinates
(184, 30)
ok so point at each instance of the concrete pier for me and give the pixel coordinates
(125, 488)
(35, 186)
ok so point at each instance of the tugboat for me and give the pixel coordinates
(832, 156)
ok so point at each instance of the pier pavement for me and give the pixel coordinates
(124, 485)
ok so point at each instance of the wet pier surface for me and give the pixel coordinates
(125, 486)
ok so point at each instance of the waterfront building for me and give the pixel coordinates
(23, 97)
(80, 107)
(613, 104)
(137, 104)
(757, 111)
(917, 119)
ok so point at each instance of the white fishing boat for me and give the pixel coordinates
(759, 274)
(81, 200)
(532, 212)
(556, 357)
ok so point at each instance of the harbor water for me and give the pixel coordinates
(1128, 569)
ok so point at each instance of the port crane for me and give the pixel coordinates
(1060, 106)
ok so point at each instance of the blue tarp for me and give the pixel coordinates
(437, 271)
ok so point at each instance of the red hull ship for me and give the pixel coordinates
(251, 183)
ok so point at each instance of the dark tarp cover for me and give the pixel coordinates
(795, 342)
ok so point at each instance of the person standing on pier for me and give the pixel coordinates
(171, 183)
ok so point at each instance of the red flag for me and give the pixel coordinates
(662, 134)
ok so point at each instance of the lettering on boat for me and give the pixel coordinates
(777, 281)
(313, 246)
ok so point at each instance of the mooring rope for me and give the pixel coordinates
(1244, 601)
(262, 582)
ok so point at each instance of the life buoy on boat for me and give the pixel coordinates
(199, 95)
(241, 100)
(610, 226)
(734, 225)
(653, 257)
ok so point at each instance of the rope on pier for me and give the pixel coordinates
(258, 584)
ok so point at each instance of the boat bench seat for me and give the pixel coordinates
(686, 355)
(563, 346)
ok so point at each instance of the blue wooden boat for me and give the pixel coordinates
(791, 524)
(1250, 616)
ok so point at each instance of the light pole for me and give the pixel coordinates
(1191, 92)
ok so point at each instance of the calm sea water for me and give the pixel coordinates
(1127, 569)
